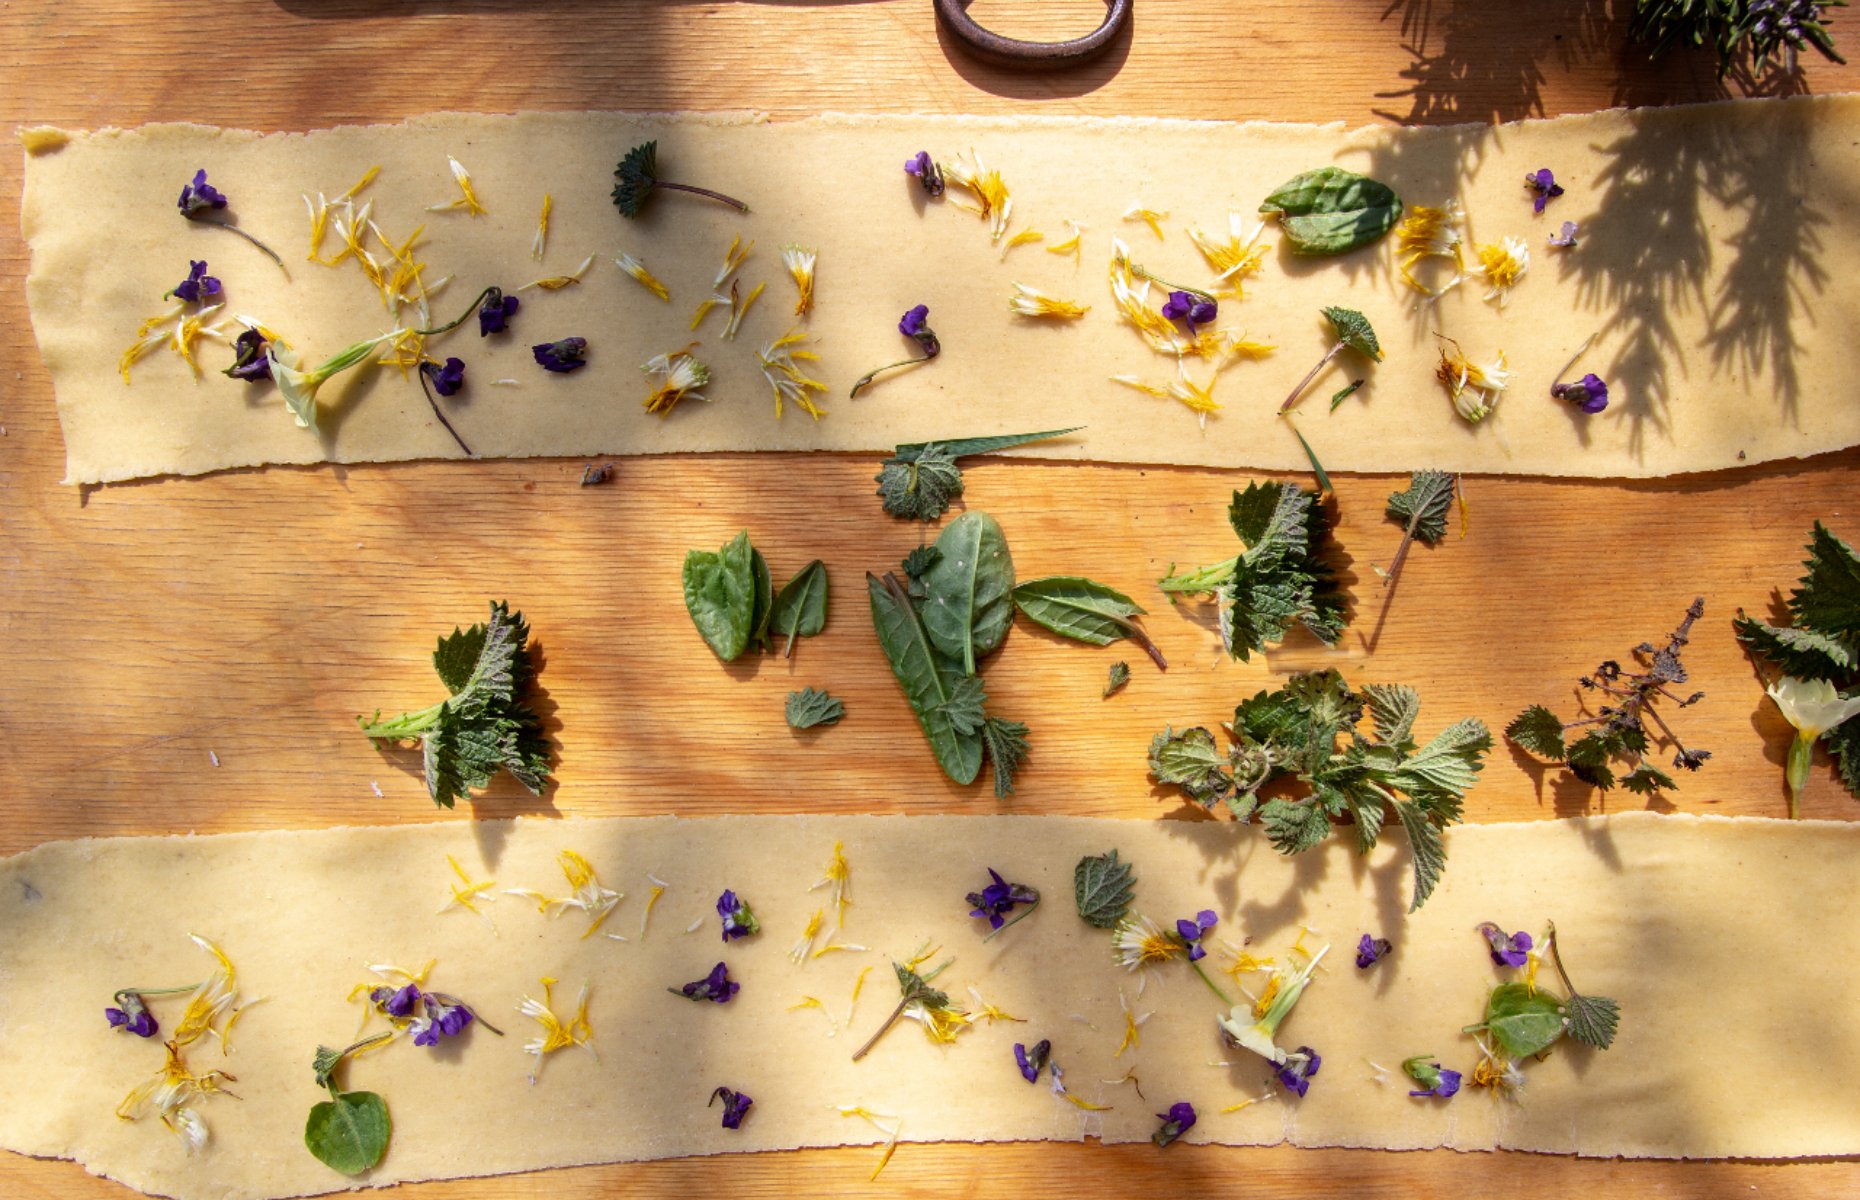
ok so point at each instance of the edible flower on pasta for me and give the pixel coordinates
(586, 892)
(780, 363)
(557, 1034)
(681, 376)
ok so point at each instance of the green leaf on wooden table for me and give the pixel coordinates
(1521, 1022)
(764, 606)
(1422, 509)
(1103, 888)
(1119, 676)
(920, 479)
(1332, 211)
(349, 1133)
(970, 590)
(720, 594)
(811, 706)
(1007, 750)
(959, 447)
(1193, 762)
(1540, 731)
(1798, 651)
(1086, 611)
(927, 677)
(801, 605)
(1829, 597)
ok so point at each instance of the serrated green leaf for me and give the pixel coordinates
(926, 677)
(1844, 743)
(1353, 330)
(1191, 761)
(963, 709)
(1522, 1022)
(635, 177)
(962, 447)
(349, 1133)
(1293, 826)
(801, 605)
(1332, 211)
(1588, 756)
(1006, 742)
(1393, 707)
(1370, 815)
(720, 595)
(1540, 731)
(1801, 652)
(1119, 676)
(1592, 1020)
(323, 1063)
(1645, 780)
(1428, 848)
(810, 707)
(970, 589)
(1828, 599)
(1448, 765)
(1279, 579)
(1424, 506)
(920, 488)
(920, 560)
(1103, 888)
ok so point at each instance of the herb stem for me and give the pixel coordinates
(266, 250)
(1580, 351)
(1135, 633)
(433, 402)
(882, 1029)
(718, 196)
(1211, 986)
(407, 725)
(1556, 959)
(1310, 375)
(451, 325)
(1203, 581)
(1017, 920)
(866, 379)
(139, 992)
(1142, 272)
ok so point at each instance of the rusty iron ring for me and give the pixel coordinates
(991, 47)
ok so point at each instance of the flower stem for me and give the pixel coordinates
(1309, 376)
(1211, 986)
(1018, 918)
(882, 1029)
(139, 992)
(450, 325)
(1580, 351)
(434, 402)
(1142, 272)
(718, 196)
(866, 379)
(266, 250)
(1801, 756)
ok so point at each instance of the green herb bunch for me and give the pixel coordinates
(1734, 29)
(1307, 732)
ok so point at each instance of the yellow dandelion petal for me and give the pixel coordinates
(1025, 237)
(1198, 398)
(1133, 1025)
(1266, 997)
(800, 263)
(367, 178)
(1031, 302)
(992, 201)
(1149, 216)
(557, 1034)
(1426, 233)
(705, 305)
(652, 899)
(806, 942)
(646, 279)
(780, 363)
(1071, 245)
(556, 283)
(984, 1011)
(858, 986)
(839, 879)
(739, 306)
(1236, 259)
(540, 243)
(1247, 1103)
(681, 376)
(468, 195)
(733, 258)
(1473, 387)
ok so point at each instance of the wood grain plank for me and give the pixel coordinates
(251, 615)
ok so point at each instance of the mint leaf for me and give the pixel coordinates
(1191, 761)
(1103, 888)
(1540, 731)
(1353, 330)
(810, 707)
(1007, 751)
(1828, 599)
(349, 1133)
(1592, 1020)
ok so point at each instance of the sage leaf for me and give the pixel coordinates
(349, 1133)
(720, 594)
(928, 678)
(1103, 888)
(1521, 1021)
(801, 605)
(764, 606)
(1332, 211)
(970, 590)
(1083, 610)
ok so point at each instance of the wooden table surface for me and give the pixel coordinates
(250, 615)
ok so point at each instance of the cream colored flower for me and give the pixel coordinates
(800, 263)
(646, 279)
(1430, 233)
(1473, 387)
(1502, 264)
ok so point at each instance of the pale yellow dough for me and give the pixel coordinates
(1713, 241)
(1722, 939)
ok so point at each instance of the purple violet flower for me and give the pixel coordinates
(1177, 1121)
(1193, 931)
(1544, 188)
(1031, 1062)
(200, 196)
(140, 1022)
(1298, 1068)
(738, 920)
(1565, 238)
(567, 355)
(495, 313)
(399, 1003)
(735, 1104)
(1589, 394)
(250, 362)
(198, 285)
(915, 325)
(1508, 949)
(1190, 309)
(927, 172)
(1436, 1081)
(444, 1018)
(1372, 950)
(717, 986)
(1000, 898)
(447, 380)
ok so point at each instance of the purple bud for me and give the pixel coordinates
(250, 361)
(1031, 1062)
(567, 355)
(1565, 238)
(1371, 950)
(735, 1105)
(141, 1022)
(198, 285)
(927, 172)
(1298, 1068)
(1508, 950)
(447, 380)
(1544, 188)
(915, 325)
(1589, 393)
(402, 1002)
(1177, 1121)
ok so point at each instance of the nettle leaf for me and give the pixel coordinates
(810, 707)
(1645, 780)
(1540, 731)
(1353, 330)
(1006, 742)
(1844, 743)
(350, 1132)
(801, 605)
(1193, 762)
(922, 487)
(970, 600)
(1829, 598)
(963, 708)
(1103, 887)
(720, 595)
(1280, 579)
(1119, 676)
(1393, 708)
(1424, 506)
(1588, 759)
(1294, 826)
(1522, 1022)
(1429, 850)
(1592, 1020)
(1448, 765)
(1801, 652)
(1332, 211)
(927, 678)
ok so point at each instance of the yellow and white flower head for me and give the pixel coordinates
(681, 376)
(1255, 1026)
(557, 1034)
(646, 279)
(992, 202)
(1431, 233)
(1238, 258)
(1031, 302)
(780, 362)
(800, 263)
(1139, 943)
(1502, 264)
(1473, 387)
(587, 894)
(169, 1096)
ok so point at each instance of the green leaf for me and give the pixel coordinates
(1120, 675)
(1592, 1020)
(720, 595)
(1801, 652)
(1428, 848)
(1007, 752)
(350, 1132)
(1446, 766)
(970, 590)
(1540, 731)
(1345, 392)
(1294, 826)
(764, 607)
(1353, 330)
(1646, 781)
(635, 178)
(810, 707)
(1393, 707)
(1279, 580)
(1191, 761)
(1317, 468)
(920, 488)
(1424, 506)
(925, 675)
(1523, 1023)
(1086, 611)
(963, 709)
(961, 447)
(1103, 888)
(1844, 743)
(1332, 211)
(920, 560)
(801, 606)
(1828, 600)
(1588, 759)
(325, 1062)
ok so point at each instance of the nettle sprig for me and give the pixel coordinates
(1307, 731)
(1353, 332)
(1422, 510)
(1618, 730)
(1734, 29)
(637, 177)
(921, 479)
(914, 990)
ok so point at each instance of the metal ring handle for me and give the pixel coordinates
(1040, 56)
